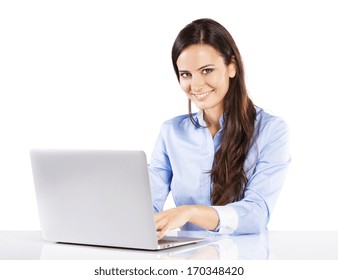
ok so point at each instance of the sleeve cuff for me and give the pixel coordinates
(228, 219)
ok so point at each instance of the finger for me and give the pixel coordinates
(160, 223)
(162, 233)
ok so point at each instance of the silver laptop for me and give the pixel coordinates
(97, 197)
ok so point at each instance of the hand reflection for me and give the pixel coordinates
(253, 246)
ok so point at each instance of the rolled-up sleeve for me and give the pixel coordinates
(252, 213)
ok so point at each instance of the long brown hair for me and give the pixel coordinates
(228, 174)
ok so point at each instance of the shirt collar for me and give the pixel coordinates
(200, 120)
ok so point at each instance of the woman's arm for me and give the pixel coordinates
(266, 180)
(160, 173)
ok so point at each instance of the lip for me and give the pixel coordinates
(202, 96)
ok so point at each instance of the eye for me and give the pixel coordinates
(207, 70)
(185, 75)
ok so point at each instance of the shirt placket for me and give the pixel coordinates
(205, 183)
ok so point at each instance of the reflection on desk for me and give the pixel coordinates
(267, 245)
(216, 247)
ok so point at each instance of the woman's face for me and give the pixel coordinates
(204, 76)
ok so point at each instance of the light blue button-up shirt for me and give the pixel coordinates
(183, 157)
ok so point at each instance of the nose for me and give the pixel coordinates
(197, 83)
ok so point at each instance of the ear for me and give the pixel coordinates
(232, 68)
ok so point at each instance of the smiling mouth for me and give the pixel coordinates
(202, 95)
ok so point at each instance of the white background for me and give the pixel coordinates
(98, 74)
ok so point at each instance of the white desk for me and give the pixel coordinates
(287, 245)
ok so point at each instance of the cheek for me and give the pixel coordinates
(185, 86)
(218, 81)
(215, 80)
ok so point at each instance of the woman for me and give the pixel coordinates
(226, 164)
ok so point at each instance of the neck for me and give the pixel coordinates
(211, 118)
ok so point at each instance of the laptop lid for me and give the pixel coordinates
(94, 197)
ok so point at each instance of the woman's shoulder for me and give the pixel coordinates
(179, 125)
(264, 117)
(269, 123)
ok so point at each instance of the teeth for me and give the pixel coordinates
(201, 95)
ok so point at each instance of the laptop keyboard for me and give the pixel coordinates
(164, 241)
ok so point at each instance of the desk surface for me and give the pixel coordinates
(283, 245)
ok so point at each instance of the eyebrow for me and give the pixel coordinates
(208, 65)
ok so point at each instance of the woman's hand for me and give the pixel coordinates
(202, 216)
(171, 219)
